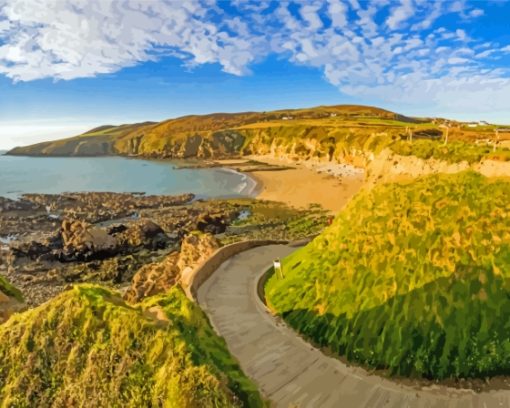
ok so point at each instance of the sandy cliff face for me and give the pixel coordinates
(388, 167)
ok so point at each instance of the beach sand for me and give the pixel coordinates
(330, 185)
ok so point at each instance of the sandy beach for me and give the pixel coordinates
(330, 185)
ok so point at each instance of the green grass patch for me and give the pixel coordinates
(413, 278)
(453, 152)
(88, 348)
(10, 290)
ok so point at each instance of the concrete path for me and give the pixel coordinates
(290, 371)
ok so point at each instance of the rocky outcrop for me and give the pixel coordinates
(80, 241)
(161, 276)
(7, 204)
(97, 207)
(83, 242)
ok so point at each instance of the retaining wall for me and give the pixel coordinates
(192, 280)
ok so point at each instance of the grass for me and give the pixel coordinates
(453, 152)
(277, 221)
(412, 278)
(343, 132)
(88, 348)
(10, 290)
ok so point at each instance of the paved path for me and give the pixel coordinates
(288, 370)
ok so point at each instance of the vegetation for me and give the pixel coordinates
(225, 134)
(272, 220)
(453, 152)
(9, 290)
(412, 278)
(88, 348)
(343, 132)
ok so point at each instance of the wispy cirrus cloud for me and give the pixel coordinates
(387, 50)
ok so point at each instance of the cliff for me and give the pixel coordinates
(388, 145)
(302, 132)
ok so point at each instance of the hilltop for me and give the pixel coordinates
(411, 277)
(344, 133)
(87, 347)
(205, 136)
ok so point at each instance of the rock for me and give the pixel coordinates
(154, 278)
(82, 242)
(213, 224)
(29, 249)
(196, 248)
(7, 204)
(143, 233)
(161, 276)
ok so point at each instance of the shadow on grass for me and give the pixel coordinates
(449, 328)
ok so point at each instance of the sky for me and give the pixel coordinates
(68, 66)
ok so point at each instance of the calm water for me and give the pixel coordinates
(20, 175)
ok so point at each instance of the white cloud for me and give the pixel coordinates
(400, 14)
(384, 50)
(70, 39)
(338, 13)
(476, 13)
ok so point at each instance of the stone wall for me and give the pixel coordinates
(192, 280)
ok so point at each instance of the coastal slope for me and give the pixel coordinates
(231, 134)
(87, 347)
(411, 278)
(371, 138)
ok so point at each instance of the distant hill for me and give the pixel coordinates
(345, 133)
(87, 347)
(214, 135)
(412, 278)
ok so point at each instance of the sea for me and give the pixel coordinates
(20, 175)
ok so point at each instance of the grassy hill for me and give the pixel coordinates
(225, 134)
(413, 278)
(88, 348)
(342, 132)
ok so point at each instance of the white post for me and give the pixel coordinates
(277, 265)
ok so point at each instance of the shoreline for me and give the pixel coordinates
(302, 184)
(298, 184)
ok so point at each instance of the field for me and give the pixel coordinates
(411, 278)
(88, 348)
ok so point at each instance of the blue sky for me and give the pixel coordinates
(66, 66)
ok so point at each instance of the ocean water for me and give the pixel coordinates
(19, 175)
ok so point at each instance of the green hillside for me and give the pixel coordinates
(88, 348)
(413, 278)
(347, 133)
(230, 134)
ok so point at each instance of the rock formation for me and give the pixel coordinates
(159, 277)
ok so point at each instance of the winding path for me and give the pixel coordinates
(290, 371)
